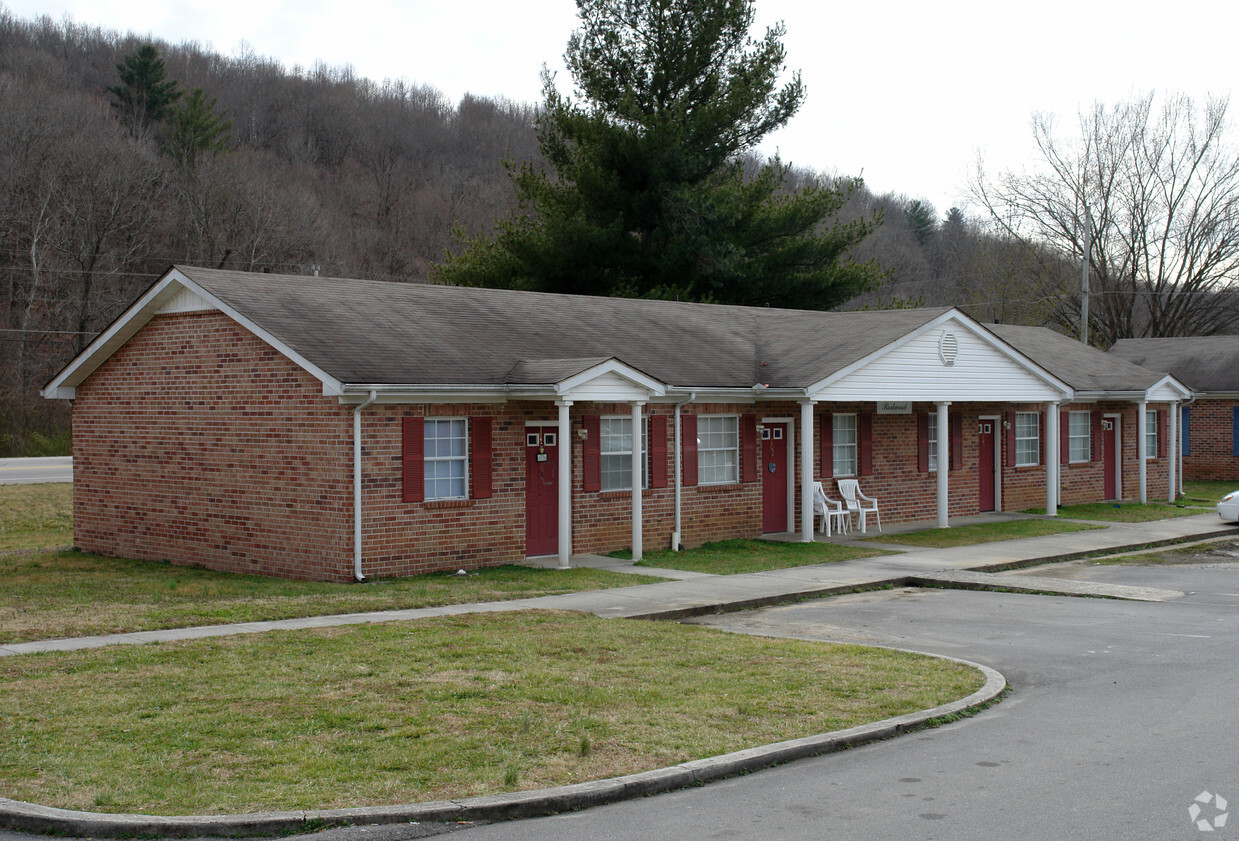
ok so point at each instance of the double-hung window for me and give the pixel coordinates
(1079, 437)
(616, 450)
(445, 457)
(843, 430)
(1027, 439)
(718, 449)
(1150, 433)
(933, 442)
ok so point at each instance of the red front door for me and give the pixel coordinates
(1109, 457)
(985, 465)
(541, 490)
(774, 477)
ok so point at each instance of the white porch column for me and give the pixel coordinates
(806, 472)
(1052, 459)
(636, 481)
(1142, 428)
(1173, 450)
(564, 489)
(944, 464)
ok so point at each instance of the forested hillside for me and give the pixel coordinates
(308, 170)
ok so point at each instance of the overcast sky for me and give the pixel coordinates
(905, 93)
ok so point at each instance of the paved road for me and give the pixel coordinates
(30, 471)
(1122, 713)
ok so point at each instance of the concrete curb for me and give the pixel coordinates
(30, 817)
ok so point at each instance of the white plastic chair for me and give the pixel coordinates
(829, 510)
(858, 503)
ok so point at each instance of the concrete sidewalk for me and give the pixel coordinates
(695, 593)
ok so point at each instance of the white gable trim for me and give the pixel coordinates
(187, 300)
(1168, 389)
(171, 288)
(1040, 385)
(611, 380)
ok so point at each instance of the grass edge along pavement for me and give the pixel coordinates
(35, 818)
(146, 697)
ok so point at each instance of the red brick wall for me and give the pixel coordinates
(1211, 442)
(196, 443)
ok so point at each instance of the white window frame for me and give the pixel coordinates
(933, 442)
(1022, 456)
(845, 453)
(434, 463)
(1079, 443)
(1150, 434)
(619, 478)
(725, 458)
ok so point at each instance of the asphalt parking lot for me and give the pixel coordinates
(1121, 715)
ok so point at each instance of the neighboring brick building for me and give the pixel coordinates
(1209, 366)
(333, 429)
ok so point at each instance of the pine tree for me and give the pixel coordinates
(196, 129)
(648, 193)
(144, 97)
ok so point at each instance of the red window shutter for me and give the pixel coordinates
(922, 442)
(688, 436)
(1162, 419)
(828, 445)
(957, 442)
(1010, 439)
(1097, 436)
(658, 451)
(412, 453)
(591, 455)
(481, 457)
(1064, 437)
(748, 448)
(864, 444)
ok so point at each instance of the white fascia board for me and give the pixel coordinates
(643, 385)
(115, 335)
(387, 393)
(146, 308)
(975, 329)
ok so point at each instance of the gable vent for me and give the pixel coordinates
(948, 348)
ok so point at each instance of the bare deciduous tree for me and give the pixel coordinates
(1156, 187)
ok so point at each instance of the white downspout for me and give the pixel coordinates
(1173, 447)
(1142, 427)
(357, 574)
(679, 457)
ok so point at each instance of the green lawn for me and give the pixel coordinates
(729, 557)
(982, 533)
(36, 516)
(48, 595)
(1125, 512)
(426, 710)
(1207, 494)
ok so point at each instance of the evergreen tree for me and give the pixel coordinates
(922, 220)
(649, 195)
(196, 129)
(144, 97)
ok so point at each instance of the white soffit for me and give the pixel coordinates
(948, 359)
(187, 300)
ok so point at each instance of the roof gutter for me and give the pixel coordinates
(357, 574)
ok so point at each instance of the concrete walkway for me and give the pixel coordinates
(692, 594)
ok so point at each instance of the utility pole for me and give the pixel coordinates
(1088, 228)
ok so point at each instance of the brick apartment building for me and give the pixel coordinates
(340, 429)
(1209, 365)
